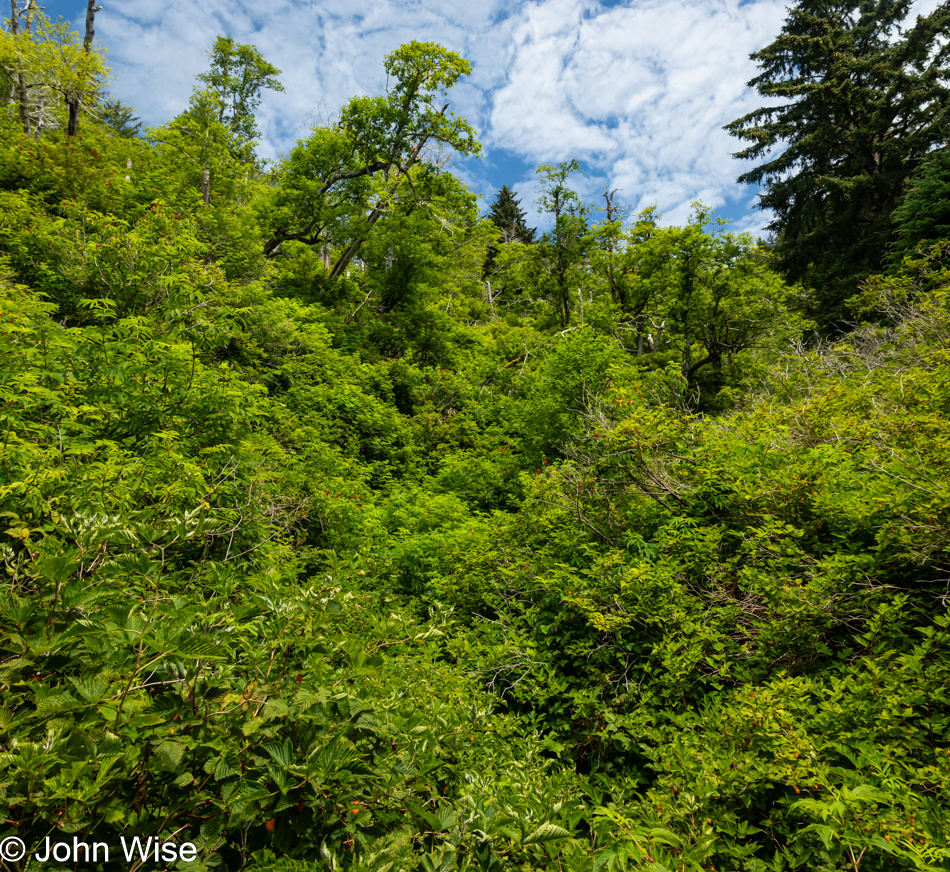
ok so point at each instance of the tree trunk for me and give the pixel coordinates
(91, 10)
(40, 109)
(206, 186)
(74, 101)
(374, 216)
(72, 126)
(354, 246)
(22, 93)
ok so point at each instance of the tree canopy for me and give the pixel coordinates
(237, 76)
(923, 216)
(863, 97)
(339, 181)
(508, 216)
(120, 116)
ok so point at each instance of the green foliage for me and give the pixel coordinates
(704, 297)
(237, 76)
(324, 561)
(45, 65)
(508, 216)
(923, 215)
(728, 622)
(562, 250)
(201, 143)
(120, 117)
(331, 179)
(864, 101)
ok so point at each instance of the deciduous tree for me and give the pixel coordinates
(336, 184)
(48, 65)
(238, 76)
(568, 242)
(75, 96)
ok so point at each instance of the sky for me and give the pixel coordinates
(636, 90)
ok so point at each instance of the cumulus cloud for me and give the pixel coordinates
(637, 90)
(639, 93)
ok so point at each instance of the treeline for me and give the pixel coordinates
(346, 528)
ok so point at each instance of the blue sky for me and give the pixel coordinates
(637, 90)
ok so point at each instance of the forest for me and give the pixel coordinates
(348, 524)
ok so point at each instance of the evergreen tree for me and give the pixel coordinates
(121, 117)
(862, 100)
(924, 214)
(508, 216)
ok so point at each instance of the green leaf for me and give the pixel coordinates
(547, 832)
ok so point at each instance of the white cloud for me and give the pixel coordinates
(638, 92)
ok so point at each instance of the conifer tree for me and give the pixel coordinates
(121, 117)
(923, 216)
(508, 216)
(862, 97)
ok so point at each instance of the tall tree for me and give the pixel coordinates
(634, 271)
(47, 65)
(221, 114)
(16, 71)
(238, 76)
(337, 183)
(75, 97)
(862, 97)
(211, 150)
(567, 243)
(508, 216)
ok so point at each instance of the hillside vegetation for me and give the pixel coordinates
(347, 529)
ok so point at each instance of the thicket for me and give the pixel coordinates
(344, 528)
